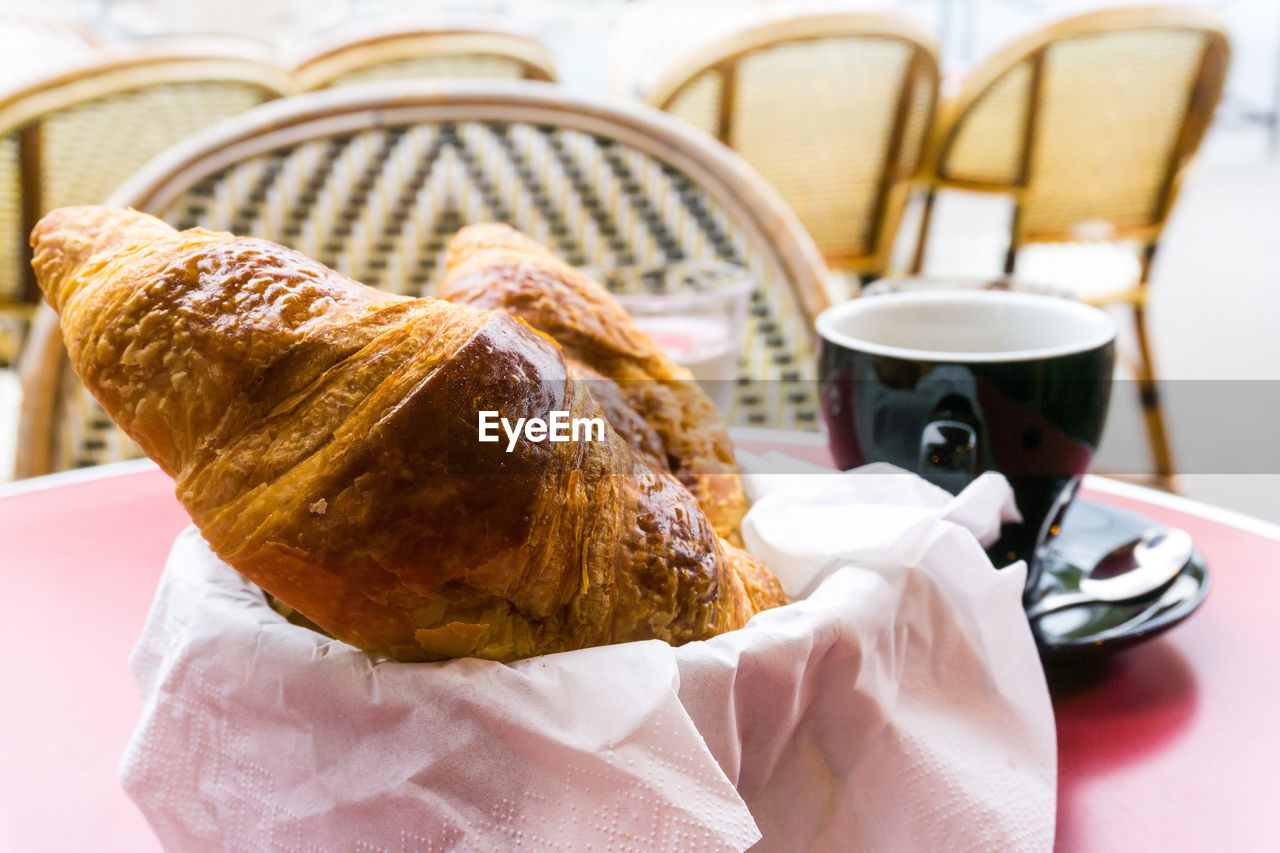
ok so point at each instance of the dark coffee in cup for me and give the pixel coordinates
(949, 384)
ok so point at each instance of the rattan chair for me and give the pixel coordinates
(374, 180)
(1088, 125)
(421, 53)
(33, 48)
(833, 110)
(72, 138)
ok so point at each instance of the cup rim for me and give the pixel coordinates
(740, 284)
(826, 325)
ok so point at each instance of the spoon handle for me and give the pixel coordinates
(1059, 601)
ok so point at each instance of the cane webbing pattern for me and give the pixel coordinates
(699, 102)
(836, 122)
(12, 258)
(1108, 115)
(815, 119)
(91, 148)
(1113, 105)
(85, 434)
(917, 126)
(32, 48)
(987, 147)
(88, 149)
(460, 65)
(380, 205)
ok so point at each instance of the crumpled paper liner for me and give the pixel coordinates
(899, 706)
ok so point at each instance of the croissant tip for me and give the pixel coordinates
(66, 238)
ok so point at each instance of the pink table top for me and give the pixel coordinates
(1172, 746)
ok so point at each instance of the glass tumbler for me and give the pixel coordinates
(695, 311)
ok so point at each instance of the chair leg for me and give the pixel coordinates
(1011, 254)
(1152, 411)
(922, 236)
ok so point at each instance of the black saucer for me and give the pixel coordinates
(1090, 531)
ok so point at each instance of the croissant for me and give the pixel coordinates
(495, 266)
(323, 437)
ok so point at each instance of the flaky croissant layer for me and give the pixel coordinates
(323, 436)
(495, 266)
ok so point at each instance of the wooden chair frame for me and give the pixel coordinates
(1203, 96)
(323, 66)
(726, 53)
(724, 176)
(1202, 99)
(22, 111)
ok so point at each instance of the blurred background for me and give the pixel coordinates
(959, 209)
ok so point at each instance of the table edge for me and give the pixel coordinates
(1187, 506)
(75, 476)
(1093, 482)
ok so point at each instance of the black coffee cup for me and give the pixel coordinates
(949, 384)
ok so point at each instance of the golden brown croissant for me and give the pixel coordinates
(323, 436)
(495, 266)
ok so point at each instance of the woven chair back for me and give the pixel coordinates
(413, 54)
(74, 138)
(1090, 121)
(833, 111)
(374, 181)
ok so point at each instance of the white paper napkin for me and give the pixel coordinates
(900, 706)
